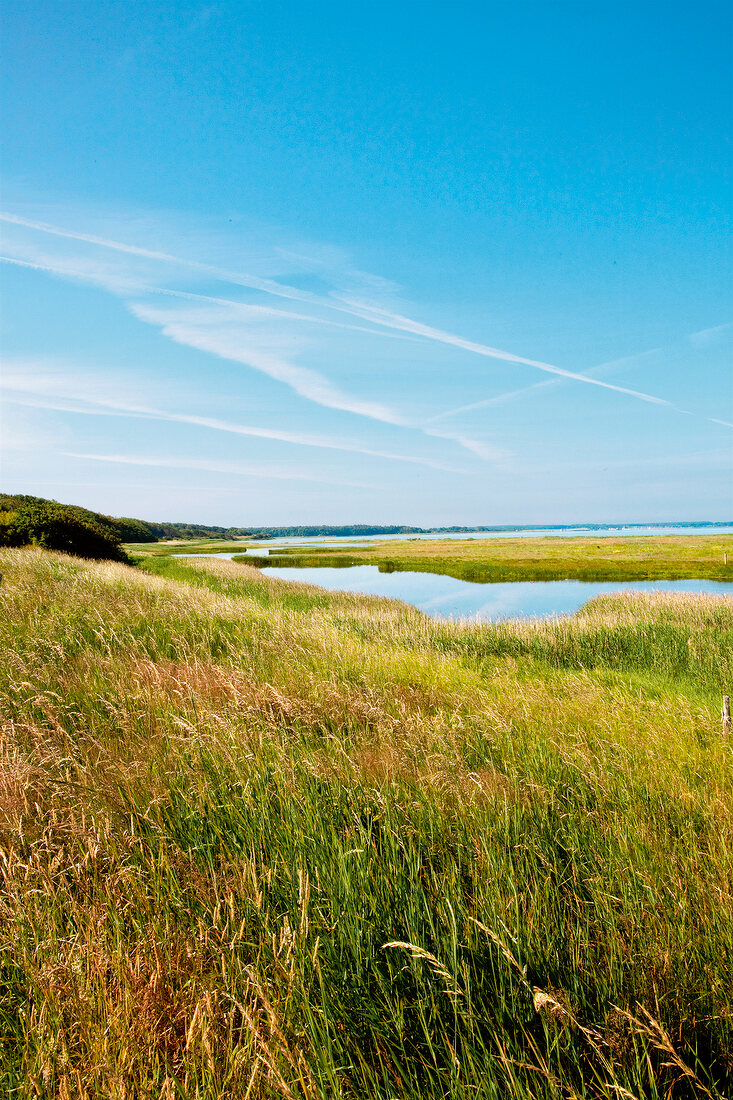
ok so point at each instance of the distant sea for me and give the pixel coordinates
(601, 530)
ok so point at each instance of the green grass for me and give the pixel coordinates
(659, 557)
(186, 546)
(262, 840)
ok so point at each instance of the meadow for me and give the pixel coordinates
(656, 557)
(261, 840)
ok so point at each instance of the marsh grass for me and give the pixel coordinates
(656, 557)
(262, 840)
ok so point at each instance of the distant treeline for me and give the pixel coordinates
(27, 520)
(365, 529)
(311, 532)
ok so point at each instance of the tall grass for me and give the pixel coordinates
(261, 840)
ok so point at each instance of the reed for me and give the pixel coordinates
(262, 840)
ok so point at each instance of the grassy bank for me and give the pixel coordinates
(261, 840)
(660, 557)
(186, 546)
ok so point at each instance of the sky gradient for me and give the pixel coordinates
(321, 263)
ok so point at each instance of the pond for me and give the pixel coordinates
(446, 597)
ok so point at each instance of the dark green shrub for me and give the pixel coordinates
(56, 526)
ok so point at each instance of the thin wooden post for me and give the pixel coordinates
(726, 714)
(725, 559)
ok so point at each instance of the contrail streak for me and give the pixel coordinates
(365, 312)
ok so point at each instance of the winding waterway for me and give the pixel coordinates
(446, 597)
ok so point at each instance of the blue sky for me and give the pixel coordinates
(391, 263)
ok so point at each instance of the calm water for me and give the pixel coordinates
(446, 597)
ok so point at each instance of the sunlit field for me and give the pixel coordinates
(655, 557)
(261, 840)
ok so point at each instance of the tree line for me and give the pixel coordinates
(29, 520)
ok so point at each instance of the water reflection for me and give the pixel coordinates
(446, 597)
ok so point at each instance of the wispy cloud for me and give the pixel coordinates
(91, 271)
(217, 333)
(546, 383)
(488, 452)
(249, 312)
(406, 324)
(54, 390)
(238, 469)
(253, 282)
(82, 269)
(489, 402)
(710, 337)
(224, 329)
(238, 332)
(613, 364)
(213, 325)
(369, 312)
